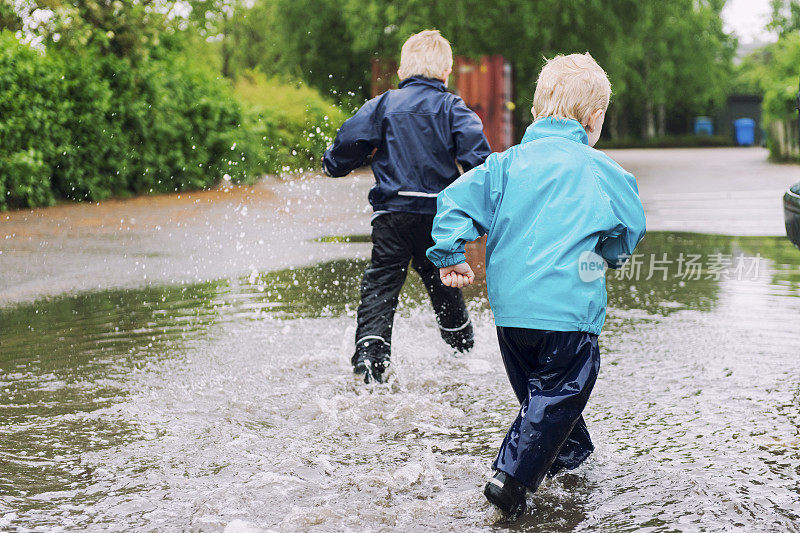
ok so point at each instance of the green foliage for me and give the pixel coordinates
(178, 125)
(779, 78)
(289, 126)
(29, 125)
(780, 86)
(748, 75)
(772, 71)
(28, 179)
(661, 56)
(308, 40)
(785, 16)
(664, 58)
(87, 125)
(774, 68)
(128, 97)
(80, 161)
(9, 19)
(126, 28)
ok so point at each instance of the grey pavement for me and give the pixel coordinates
(730, 191)
(273, 225)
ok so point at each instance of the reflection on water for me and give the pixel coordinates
(231, 404)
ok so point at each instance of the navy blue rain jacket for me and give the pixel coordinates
(420, 131)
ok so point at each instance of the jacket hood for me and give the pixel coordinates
(556, 127)
(419, 80)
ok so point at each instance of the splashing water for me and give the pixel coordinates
(231, 406)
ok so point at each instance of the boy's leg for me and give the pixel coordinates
(558, 370)
(575, 450)
(578, 446)
(448, 302)
(380, 288)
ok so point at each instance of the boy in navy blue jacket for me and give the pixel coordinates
(419, 134)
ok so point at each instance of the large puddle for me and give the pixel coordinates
(231, 405)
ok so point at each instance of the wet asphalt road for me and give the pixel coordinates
(203, 236)
(190, 370)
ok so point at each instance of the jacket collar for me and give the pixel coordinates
(556, 127)
(419, 80)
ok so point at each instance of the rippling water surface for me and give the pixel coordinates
(231, 406)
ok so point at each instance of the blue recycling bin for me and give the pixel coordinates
(745, 130)
(703, 126)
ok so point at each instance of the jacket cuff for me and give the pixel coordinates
(450, 260)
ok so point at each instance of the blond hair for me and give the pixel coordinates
(426, 54)
(571, 86)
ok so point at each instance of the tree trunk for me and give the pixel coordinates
(624, 127)
(226, 69)
(613, 123)
(662, 120)
(648, 121)
(225, 48)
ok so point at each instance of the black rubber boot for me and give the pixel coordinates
(507, 494)
(371, 360)
(461, 340)
(372, 370)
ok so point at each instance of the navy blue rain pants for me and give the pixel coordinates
(552, 374)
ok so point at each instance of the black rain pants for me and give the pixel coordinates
(397, 239)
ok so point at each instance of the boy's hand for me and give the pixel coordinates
(459, 275)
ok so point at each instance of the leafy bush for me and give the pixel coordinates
(779, 79)
(82, 125)
(30, 181)
(288, 126)
(773, 71)
(83, 133)
(29, 115)
(175, 125)
(86, 125)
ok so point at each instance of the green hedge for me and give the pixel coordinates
(29, 131)
(87, 126)
(289, 125)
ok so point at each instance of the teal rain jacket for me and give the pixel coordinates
(555, 212)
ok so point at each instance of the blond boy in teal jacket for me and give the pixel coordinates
(556, 213)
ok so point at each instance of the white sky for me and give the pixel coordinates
(747, 19)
